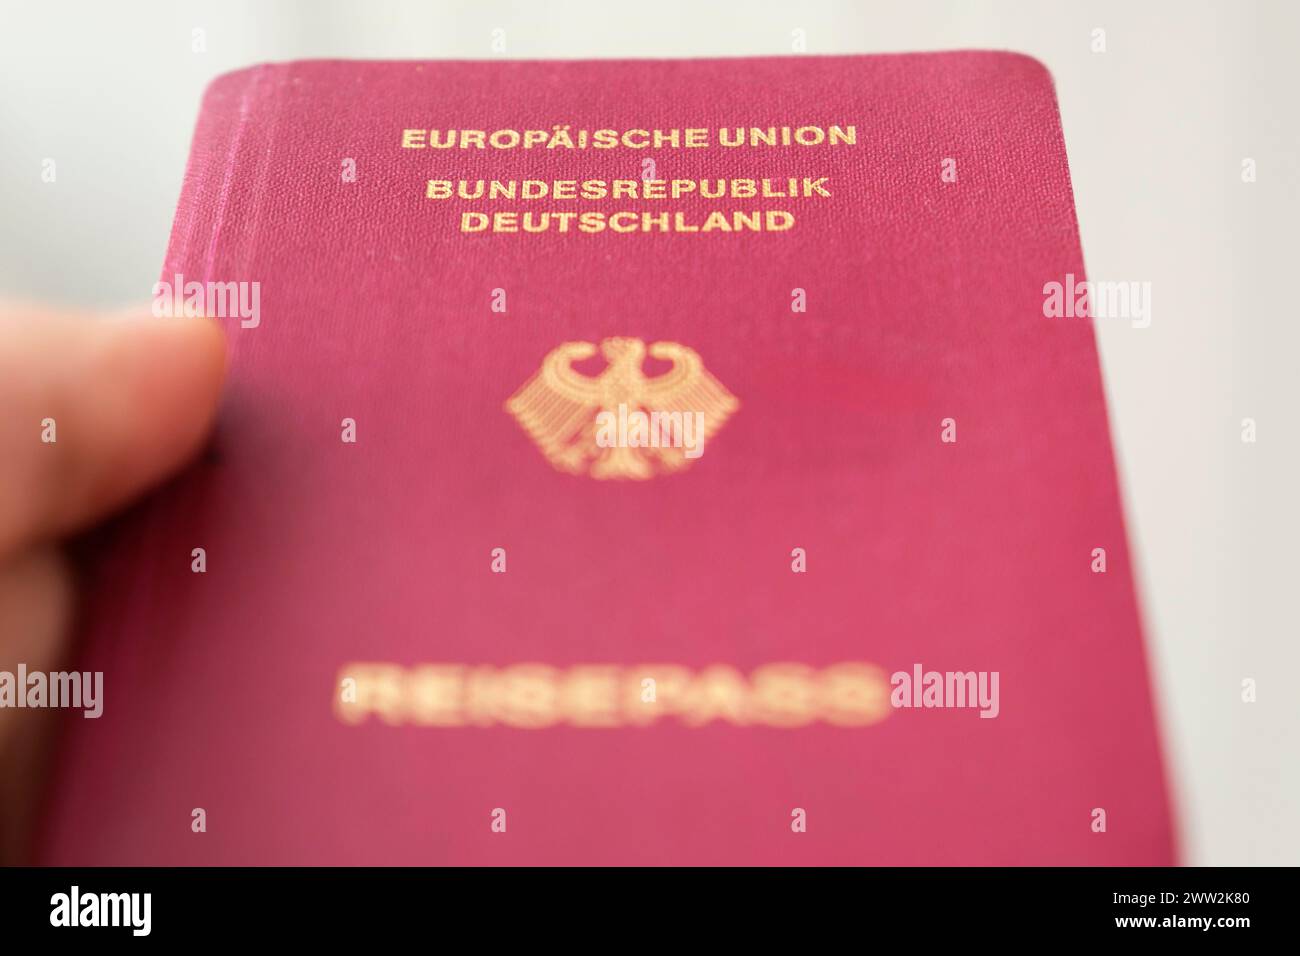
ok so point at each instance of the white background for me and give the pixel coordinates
(1156, 128)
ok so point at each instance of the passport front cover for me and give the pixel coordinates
(651, 462)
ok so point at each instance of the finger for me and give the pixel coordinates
(95, 410)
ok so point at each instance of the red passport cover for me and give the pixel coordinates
(473, 634)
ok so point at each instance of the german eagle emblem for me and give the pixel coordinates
(621, 423)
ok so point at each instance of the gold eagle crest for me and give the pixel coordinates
(564, 411)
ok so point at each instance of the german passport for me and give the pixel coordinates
(627, 462)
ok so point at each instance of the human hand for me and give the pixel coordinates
(94, 411)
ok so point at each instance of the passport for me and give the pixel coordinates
(658, 462)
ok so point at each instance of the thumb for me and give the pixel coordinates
(96, 410)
